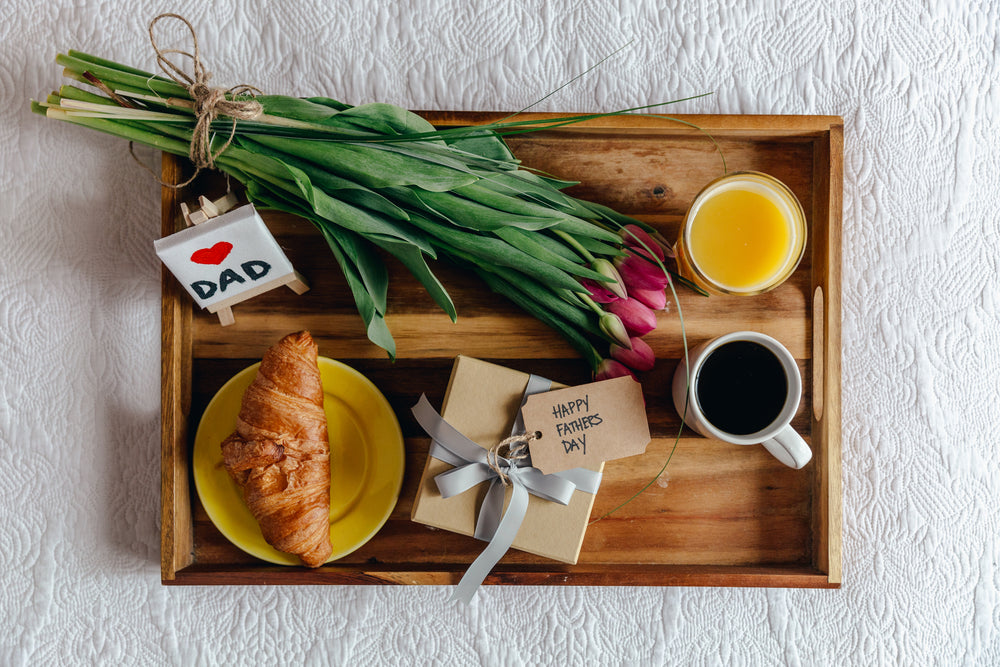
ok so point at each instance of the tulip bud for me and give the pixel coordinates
(606, 268)
(638, 319)
(610, 368)
(640, 357)
(599, 292)
(614, 328)
(655, 299)
(668, 248)
(637, 272)
(639, 240)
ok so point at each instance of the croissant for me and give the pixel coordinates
(280, 455)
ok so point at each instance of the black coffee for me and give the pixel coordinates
(741, 387)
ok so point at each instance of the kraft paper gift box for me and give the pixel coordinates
(482, 401)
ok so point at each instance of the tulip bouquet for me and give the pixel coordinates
(376, 176)
(641, 273)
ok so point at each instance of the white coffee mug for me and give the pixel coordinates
(778, 437)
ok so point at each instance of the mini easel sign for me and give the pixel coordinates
(226, 257)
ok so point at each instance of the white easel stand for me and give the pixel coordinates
(224, 309)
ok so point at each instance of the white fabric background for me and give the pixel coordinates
(917, 85)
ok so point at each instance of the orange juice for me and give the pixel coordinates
(744, 234)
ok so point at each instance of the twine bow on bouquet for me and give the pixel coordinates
(376, 177)
(207, 103)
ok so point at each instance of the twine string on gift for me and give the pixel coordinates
(208, 103)
(517, 450)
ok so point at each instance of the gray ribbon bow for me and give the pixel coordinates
(494, 525)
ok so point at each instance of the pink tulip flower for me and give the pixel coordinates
(610, 368)
(638, 319)
(639, 240)
(640, 357)
(599, 292)
(655, 299)
(637, 272)
(668, 248)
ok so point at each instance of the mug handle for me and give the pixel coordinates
(789, 448)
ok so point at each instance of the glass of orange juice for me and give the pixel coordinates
(744, 234)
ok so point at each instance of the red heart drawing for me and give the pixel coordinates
(213, 255)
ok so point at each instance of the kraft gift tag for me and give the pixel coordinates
(588, 424)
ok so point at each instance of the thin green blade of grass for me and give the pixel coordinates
(511, 128)
(144, 94)
(70, 92)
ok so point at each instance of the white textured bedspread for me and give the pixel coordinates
(918, 86)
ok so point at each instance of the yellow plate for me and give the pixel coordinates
(366, 462)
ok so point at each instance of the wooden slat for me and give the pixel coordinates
(827, 532)
(760, 127)
(720, 515)
(557, 575)
(176, 531)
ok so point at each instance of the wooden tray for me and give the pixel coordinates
(719, 516)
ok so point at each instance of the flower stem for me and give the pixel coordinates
(573, 243)
(587, 301)
(680, 429)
